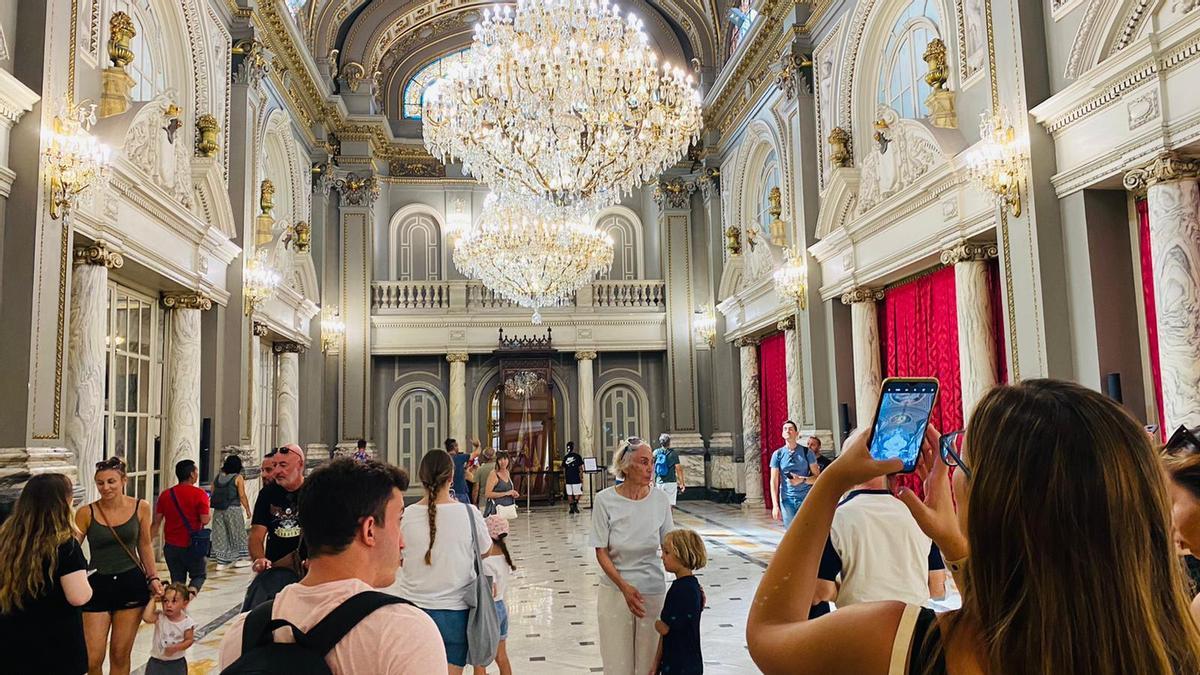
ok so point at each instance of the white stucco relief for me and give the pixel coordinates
(148, 146)
(901, 151)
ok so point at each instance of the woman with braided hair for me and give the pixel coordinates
(440, 554)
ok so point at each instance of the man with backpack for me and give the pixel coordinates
(351, 513)
(184, 510)
(668, 472)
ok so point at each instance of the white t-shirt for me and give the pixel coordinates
(442, 583)
(883, 553)
(167, 633)
(496, 567)
(632, 531)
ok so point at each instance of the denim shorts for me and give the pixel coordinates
(502, 613)
(452, 624)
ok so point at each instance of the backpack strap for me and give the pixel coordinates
(259, 628)
(324, 636)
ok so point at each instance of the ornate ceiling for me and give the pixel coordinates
(396, 37)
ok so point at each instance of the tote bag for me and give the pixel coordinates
(483, 624)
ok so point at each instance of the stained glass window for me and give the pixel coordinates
(414, 89)
(903, 86)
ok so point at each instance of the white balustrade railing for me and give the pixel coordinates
(387, 295)
(393, 296)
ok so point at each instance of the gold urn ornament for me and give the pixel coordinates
(120, 33)
(733, 240)
(935, 58)
(266, 197)
(777, 227)
(940, 102)
(206, 136)
(839, 147)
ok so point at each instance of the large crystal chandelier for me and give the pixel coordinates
(562, 103)
(524, 384)
(533, 259)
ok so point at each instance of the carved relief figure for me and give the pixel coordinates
(148, 147)
(904, 151)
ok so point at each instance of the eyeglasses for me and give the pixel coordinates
(1181, 439)
(949, 455)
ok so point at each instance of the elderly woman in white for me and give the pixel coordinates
(629, 522)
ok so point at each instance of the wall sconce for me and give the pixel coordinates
(997, 163)
(791, 280)
(705, 325)
(332, 329)
(259, 281)
(75, 160)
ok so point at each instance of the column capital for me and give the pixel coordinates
(287, 347)
(675, 193)
(861, 294)
(357, 190)
(98, 254)
(786, 323)
(746, 341)
(967, 252)
(585, 355)
(457, 357)
(185, 300)
(259, 329)
(1165, 168)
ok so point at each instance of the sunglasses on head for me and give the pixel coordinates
(110, 463)
(1183, 438)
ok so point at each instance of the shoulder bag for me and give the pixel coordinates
(200, 542)
(483, 624)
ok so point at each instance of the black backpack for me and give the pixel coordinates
(261, 655)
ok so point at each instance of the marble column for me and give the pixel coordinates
(458, 397)
(287, 392)
(795, 376)
(864, 325)
(181, 377)
(751, 443)
(86, 358)
(587, 405)
(976, 334)
(1173, 197)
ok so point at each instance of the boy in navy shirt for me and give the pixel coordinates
(679, 624)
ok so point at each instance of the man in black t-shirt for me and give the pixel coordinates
(572, 465)
(275, 526)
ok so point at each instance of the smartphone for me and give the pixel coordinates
(905, 405)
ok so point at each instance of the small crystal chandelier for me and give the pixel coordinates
(791, 280)
(259, 281)
(75, 160)
(704, 324)
(562, 103)
(533, 259)
(997, 163)
(524, 384)
(332, 329)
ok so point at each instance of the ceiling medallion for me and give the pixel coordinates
(562, 104)
(533, 259)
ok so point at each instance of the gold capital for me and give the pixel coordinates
(185, 300)
(786, 323)
(747, 341)
(457, 357)
(1165, 168)
(287, 347)
(586, 355)
(966, 252)
(98, 254)
(861, 294)
(259, 329)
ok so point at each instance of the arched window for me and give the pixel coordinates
(414, 89)
(768, 181)
(147, 69)
(620, 417)
(903, 86)
(419, 421)
(625, 247)
(418, 249)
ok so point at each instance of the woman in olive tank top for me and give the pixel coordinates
(117, 529)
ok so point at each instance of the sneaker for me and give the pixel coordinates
(221, 567)
(242, 563)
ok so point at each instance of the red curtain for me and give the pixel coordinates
(996, 294)
(772, 378)
(1143, 216)
(918, 326)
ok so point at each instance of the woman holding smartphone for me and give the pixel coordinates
(1053, 566)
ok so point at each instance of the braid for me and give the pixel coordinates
(432, 523)
(504, 547)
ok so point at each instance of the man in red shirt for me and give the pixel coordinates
(184, 500)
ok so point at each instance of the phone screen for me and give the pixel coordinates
(904, 409)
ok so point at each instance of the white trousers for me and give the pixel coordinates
(671, 490)
(627, 644)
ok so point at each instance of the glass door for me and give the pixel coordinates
(133, 390)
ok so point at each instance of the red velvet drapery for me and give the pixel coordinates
(918, 333)
(1147, 262)
(772, 378)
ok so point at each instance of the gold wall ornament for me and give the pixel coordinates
(733, 240)
(839, 148)
(356, 190)
(298, 236)
(266, 196)
(778, 227)
(940, 102)
(120, 33)
(97, 253)
(207, 131)
(185, 300)
(353, 73)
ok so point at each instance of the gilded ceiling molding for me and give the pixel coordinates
(733, 100)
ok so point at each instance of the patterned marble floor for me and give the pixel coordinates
(552, 599)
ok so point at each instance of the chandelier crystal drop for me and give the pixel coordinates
(535, 260)
(562, 103)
